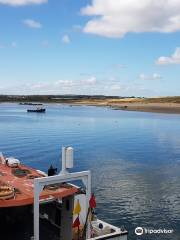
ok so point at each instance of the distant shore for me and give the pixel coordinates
(173, 108)
(151, 107)
(157, 105)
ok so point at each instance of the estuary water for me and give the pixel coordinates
(134, 158)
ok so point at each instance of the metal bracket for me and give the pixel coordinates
(39, 183)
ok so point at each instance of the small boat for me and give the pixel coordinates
(31, 104)
(55, 207)
(37, 110)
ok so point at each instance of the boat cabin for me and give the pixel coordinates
(40, 207)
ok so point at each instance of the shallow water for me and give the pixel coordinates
(134, 158)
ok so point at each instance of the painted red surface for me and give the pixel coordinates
(25, 186)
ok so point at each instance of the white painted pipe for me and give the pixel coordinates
(63, 170)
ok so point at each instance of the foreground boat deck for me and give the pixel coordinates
(24, 186)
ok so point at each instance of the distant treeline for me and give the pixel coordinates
(54, 98)
(80, 98)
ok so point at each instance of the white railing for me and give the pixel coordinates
(39, 184)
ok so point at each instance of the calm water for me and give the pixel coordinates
(134, 158)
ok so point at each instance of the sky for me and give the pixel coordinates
(97, 47)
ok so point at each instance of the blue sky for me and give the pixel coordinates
(90, 47)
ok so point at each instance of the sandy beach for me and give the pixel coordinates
(158, 104)
(150, 107)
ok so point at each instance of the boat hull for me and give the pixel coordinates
(107, 231)
(118, 237)
(12, 215)
(37, 110)
(17, 223)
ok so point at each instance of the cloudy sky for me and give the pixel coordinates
(111, 47)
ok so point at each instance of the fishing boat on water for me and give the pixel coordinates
(30, 103)
(50, 206)
(37, 110)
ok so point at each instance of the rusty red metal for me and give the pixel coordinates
(24, 187)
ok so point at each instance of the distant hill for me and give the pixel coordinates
(85, 99)
(53, 98)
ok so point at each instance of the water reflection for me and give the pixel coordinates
(134, 158)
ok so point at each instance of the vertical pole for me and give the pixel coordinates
(36, 210)
(87, 182)
(88, 198)
(78, 230)
(67, 218)
(63, 170)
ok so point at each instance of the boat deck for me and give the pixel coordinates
(23, 185)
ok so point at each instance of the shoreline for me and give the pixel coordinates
(169, 105)
(153, 108)
(173, 108)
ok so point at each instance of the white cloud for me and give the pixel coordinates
(114, 19)
(22, 2)
(90, 81)
(112, 79)
(32, 23)
(53, 85)
(155, 76)
(173, 59)
(116, 87)
(69, 86)
(132, 89)
(66, 39)
(65, 83)
(62, 86)
(120, 66)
